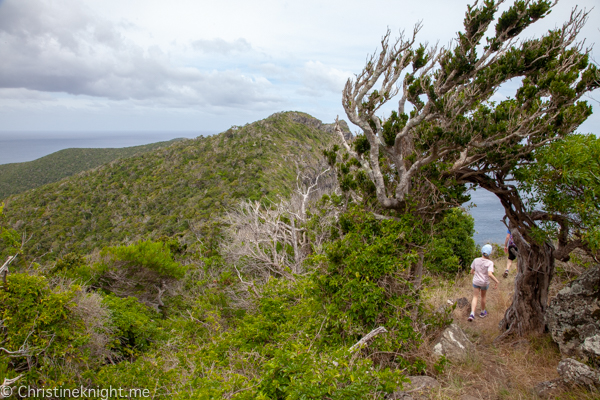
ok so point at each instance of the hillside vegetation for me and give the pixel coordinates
(18, 177)
(198, 271)
(170, 191)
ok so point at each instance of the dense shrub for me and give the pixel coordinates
(154, 256)
(134, 324)
(364, 276)
(74, 266)
(9, 238)
(452, 247)
(145, 270)
(364, 281)
(41, 323)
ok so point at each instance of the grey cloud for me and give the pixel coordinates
(25, 95)
(60, 46)
(221, 46)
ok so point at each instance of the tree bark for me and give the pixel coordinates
(535, 266)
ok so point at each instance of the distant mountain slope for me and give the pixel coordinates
(19, 177)
(174, 190)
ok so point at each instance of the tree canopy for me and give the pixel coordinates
(564, 186)
(449, 131)
(447, 127)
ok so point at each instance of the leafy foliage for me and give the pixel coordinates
(134, 325)
(365, 280)
(564, 182)
(154, 256)
(19, 177)
(175, 191)
(40, 322)
(452, 247)
(10, 244)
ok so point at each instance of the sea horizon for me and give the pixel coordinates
(25, 146)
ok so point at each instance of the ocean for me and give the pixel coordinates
(28, 146)
(487, 213)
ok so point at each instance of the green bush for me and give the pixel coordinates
(74, 266)
(40, 321)
(364, 281)
(10, 242)
(134, 324)
(452, 247)
(155, 256)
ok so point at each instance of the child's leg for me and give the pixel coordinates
(483, 293)
(474, 301)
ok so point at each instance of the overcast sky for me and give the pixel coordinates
(189, 65)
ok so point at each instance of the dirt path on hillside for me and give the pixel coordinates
(507, 370)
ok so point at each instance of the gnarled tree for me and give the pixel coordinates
(447, 130)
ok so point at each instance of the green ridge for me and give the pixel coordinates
(171, 191)
(18, 177)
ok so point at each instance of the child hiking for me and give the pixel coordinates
(482, 269)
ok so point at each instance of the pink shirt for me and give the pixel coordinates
(482, 266)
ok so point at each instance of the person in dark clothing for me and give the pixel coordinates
(511, 250)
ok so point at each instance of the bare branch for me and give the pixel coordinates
(366, 339)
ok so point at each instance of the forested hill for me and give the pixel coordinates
(18, 177)
(176, 190)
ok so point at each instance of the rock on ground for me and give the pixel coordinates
(418, 385)
(573, 372)
(549, 389)
(453, 344)
(573, 317)
(463, 302)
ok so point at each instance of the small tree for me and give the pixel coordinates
(145, 270)
(447, 131)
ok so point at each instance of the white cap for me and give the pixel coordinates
(486, 250)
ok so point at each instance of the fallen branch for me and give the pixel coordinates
(365, 340)
(5, 389)
(4, 269)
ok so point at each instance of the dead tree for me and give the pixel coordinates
(271, 240)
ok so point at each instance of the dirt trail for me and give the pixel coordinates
(507, 370)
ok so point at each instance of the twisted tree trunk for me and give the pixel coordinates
(535, 269)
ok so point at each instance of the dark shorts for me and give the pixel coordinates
(512, 252)
(481, 287)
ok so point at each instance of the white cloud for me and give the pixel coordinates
(319, 79)
(221, 46)
(229, 62)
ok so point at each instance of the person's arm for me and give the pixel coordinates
(491, 275)
(506, 242)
